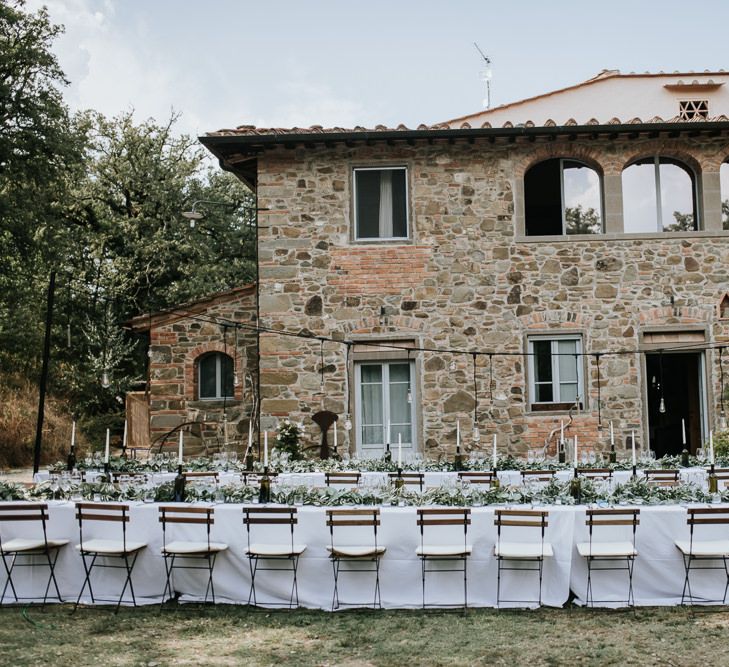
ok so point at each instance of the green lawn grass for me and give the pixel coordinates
(240, 636)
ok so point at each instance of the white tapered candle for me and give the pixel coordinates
(494, 453)
(106, 449)
(265, 449)
(179, 449)
(683, 431)
(458, 434)
(576, 457)
(612, 434)
(632, 438)
(711, 447)
(335, 436)
(73, 434)
(124, 437)
(250, 433)
(561, 431)
(399, 450)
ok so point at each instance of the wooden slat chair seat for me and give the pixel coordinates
(441, 517)
(24, 551)
(91, 550)
(697, 550)
(285, 549)
(662, 477)
(196, 550)
(523, 551)
(364, 522)
(344, 478)
(409, 478)
(604, 554)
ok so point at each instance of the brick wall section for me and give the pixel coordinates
(176, 344)
(469, 283)
(381, 270)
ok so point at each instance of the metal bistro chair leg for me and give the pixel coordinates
(211, 585)
(335, 596)
(295, 587)
(378, 596)
(128, 581)
(590, 599)
(631, 594)
(9, 580)
(87, 580)
(253, 568)
(168, 573)
(498, 582)
(465, 583)
(51, 576)
(686, 581)
(422, 564)
(726, 588)
(541, 566)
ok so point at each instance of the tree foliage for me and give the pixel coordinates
(580, 221)
(98, 200)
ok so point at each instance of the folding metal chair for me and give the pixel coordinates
(532, 520)
(427, 551)
(695, 550)
(24, 552)
(409, 478)
(201, 550)
(477, 478)
(597, 552)
(362, 551)
(342, 478)
(287, 550)
(664, 477)
(94, 549)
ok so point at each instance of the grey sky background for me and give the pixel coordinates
(279, 63)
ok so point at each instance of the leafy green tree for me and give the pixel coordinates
(725, 214)
(684, 222)
(579, 221)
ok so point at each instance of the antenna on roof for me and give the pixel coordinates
(485, 76)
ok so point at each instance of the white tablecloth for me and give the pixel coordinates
(659, 573)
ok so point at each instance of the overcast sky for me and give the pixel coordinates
(223, 63)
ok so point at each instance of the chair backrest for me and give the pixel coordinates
(354, 518)
(662, 477)
(270, 516)
(253, 477)
(207, 475)
(409, 478)
(106, 512)
(595, 473)
(344, 478)
(176, 514)
(537, 475)
(477, 476)
(529, 519)
(706, 516)
(443, 516)
(21, 511)
(133, 476)
(604, 517)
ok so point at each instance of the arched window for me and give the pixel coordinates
(215, 376)
(659, 194)
(724, 177)
(562, 196)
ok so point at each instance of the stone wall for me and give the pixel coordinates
(177, 341)
(468, 280)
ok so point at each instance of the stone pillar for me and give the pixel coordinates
(711, 201)
(519, 224)
(613, 187)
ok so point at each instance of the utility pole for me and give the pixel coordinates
(44, 372)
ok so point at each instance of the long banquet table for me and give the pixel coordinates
(658, 580)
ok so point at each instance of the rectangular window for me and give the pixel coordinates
(382, 392)
(555, 372)
(380, 203)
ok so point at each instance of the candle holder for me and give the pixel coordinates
(613, 457)
(685, 458)
(71, 460)
(179, 486)
(399, 481)
(458, 460)
(635, 472)
(264, 490)
(495, 483)
(107, 474)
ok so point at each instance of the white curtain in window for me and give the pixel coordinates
(386, 204)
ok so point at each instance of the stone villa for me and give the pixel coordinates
(559, 260)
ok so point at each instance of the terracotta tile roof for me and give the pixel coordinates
(252, 130)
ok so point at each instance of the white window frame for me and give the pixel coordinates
(372, 239)
(556, 384)
(218, 378)
(376, 450)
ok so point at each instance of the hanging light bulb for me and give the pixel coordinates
(662, 406)
(410, 395)
(722, 422)
(149, 352)
(236, 380)
(105, 382)
(476, 434)
(348, 424)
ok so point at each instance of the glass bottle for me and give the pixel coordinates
(576, 487)
(685, 458)
(561, 453)
(71, 460)
(179, 486)
(713, 481)
(264, 490)
(388, 453)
